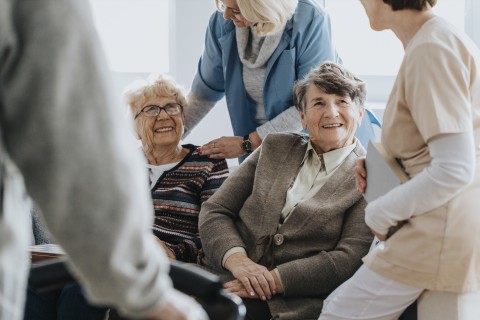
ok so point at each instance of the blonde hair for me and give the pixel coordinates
(268, 15)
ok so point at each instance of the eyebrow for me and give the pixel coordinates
(317, 99)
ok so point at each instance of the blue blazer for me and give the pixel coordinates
(305, 43)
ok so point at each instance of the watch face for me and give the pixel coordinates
(247, 146)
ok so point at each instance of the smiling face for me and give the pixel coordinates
(231, 11)
(330, 119)
(162, 131)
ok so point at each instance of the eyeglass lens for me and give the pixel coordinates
(171, 109)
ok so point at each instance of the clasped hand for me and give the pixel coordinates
(251, 279)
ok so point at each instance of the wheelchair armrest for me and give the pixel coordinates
(202, 285)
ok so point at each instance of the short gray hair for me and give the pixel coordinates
(331, 78)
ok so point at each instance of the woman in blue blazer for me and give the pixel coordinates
(254, 52)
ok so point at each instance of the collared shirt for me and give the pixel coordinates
(314, 171)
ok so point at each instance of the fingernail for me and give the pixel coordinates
(274, 292)
(263, 298)
(252, 293)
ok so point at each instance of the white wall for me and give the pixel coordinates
(186, 45)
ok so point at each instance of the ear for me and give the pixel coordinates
(361, 113)
(137, 130)
(303, 118)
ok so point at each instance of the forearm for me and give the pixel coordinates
(451, 169)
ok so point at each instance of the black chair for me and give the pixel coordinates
(202, 285)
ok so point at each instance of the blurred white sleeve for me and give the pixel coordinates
(451, 170)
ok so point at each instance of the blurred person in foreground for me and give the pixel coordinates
(63, 138)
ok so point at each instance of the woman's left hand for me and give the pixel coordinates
(224, 147)
(237, 288)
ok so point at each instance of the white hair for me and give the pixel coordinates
(268, 15)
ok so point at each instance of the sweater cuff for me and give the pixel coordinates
(231, 252)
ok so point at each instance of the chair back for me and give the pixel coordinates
(366, 131)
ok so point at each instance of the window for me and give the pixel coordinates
(134, 34)
(359, 46)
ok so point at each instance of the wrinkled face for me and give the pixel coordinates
(330, 119)
(162, 130)
(232, 12)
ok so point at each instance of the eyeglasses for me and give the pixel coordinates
(172, 109)
(223, 8)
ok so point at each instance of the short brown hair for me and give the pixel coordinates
(409, 4)
(331, 78)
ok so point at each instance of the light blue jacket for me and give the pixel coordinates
(305, 43)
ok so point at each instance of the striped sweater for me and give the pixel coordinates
(177, 197)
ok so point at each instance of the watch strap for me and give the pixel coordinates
(247, 144)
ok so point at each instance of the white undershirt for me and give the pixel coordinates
(155, 172)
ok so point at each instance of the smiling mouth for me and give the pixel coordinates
(160, 130)
(334, 125)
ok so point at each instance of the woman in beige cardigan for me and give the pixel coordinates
(288, 226)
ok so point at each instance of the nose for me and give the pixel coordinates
(331, 110)
(227, 14)
(163, 114)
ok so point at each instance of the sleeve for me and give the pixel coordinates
(195, 111)
(208, 82)
(438, 107)
(287, 121)
(219, 215)
(215, 179)
(188, 249)
(64, 132)
(437, 184)
(322, 273)
(316, 44)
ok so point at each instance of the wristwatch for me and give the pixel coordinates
(247, 144)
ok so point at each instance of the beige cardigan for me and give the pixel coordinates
(324, 239)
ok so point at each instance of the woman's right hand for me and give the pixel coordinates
(179, 306)
(167, 250)
(360, 173)
(256, 279)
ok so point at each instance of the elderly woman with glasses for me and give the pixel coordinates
(180, 178)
